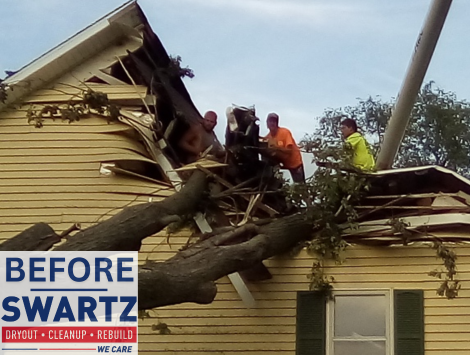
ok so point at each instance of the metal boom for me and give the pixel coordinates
(424, 50)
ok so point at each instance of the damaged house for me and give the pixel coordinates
(91, 127)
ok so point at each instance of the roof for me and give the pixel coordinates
(126, 20)
(80, 40)
(432, 174)
(75, 50)
(429, 202)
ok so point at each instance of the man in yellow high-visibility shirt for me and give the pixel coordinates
(362, 158)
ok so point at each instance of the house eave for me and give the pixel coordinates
(123, 21)
(418, 169)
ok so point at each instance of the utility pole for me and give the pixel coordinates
(424, 50)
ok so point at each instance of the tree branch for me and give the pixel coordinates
(127, 229)
(39, 237)
(189, 276)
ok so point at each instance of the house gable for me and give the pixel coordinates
(63, 173)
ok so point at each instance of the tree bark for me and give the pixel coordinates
(39, 237)
(127, 229)
(190, 275)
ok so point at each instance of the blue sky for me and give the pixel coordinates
(293, 57)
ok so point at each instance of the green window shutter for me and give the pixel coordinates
(311, 323)
(409, 322)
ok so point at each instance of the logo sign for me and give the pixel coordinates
(83, 302)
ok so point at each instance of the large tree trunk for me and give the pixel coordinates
(190, 275)
(127, 229)
(37, 237)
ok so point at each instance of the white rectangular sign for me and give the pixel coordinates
(56, 301)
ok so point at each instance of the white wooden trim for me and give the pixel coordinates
(414, 222)
(108, 78)
(68, 45)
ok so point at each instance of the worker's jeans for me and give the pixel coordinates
(298, 174)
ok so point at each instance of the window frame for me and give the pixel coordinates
(389, 325)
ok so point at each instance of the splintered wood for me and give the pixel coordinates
(436, 207)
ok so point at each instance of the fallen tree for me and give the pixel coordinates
(190, 275)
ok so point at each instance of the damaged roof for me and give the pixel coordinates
(426, 203)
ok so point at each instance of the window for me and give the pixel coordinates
(359, 323)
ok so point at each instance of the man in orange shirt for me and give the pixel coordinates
(283, 148)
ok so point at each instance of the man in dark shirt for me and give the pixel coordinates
(200, 138)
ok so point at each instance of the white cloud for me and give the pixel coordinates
(214, 95)
(331, 14)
